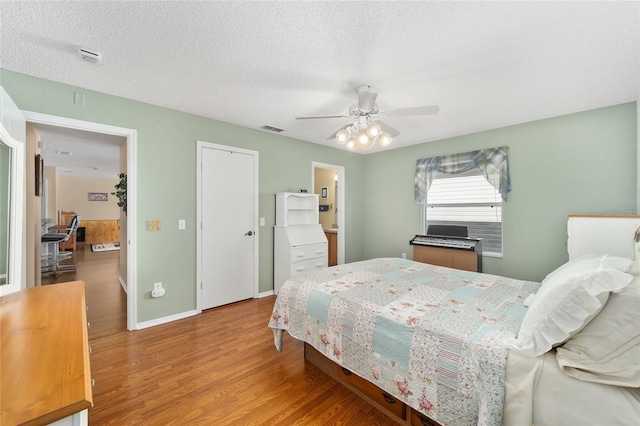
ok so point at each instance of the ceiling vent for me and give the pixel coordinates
(89, 55)
(272, 129)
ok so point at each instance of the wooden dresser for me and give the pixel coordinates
(44, 374)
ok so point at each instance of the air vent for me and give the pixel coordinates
(89, 55)
(272, 129)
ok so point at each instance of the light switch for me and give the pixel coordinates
(182, 224)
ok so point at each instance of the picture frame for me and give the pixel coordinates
(39, 174)
(98, 196)
(324, 193)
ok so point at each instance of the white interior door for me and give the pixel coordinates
(228, 197)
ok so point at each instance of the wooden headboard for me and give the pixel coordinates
(593, 234)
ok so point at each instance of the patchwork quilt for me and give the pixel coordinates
(429, 335)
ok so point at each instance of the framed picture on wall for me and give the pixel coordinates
(98, 196)
(324, 193)
(39, 174)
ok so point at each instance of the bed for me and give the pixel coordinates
(466, 348)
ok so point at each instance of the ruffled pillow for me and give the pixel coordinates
(584, 264)
(607, 350)
(562, 307)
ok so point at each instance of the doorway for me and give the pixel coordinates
(129, 242)
(227, 232)
(328, 181)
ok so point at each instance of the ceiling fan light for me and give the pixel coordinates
(385, 139)
(342, 136)
(369, 144)
(374, 130)
(362, 137)
(351, 144)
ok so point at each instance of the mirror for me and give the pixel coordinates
(5, 202)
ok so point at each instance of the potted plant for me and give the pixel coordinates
(121, 192)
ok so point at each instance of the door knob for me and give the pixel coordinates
(250, 233)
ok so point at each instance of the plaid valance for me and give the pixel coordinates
(491, 162)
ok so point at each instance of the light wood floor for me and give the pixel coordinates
(216, 368)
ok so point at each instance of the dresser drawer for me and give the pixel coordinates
(398, 408)
(308, 265)
(419, 419)
(308, 252)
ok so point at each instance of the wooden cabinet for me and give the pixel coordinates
(101, 231)
(449, 257)
(332, 239)
(65, 220)
(44, 374)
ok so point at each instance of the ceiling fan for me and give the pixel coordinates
(367, 128)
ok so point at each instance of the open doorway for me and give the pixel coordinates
(125, 257)
(328, 181)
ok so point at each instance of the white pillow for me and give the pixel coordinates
(584, 264)
(608, 349)
(561, 308)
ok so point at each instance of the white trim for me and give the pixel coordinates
(17, 227)
(164, 320)
(132, 179)
(122, 283)
(200, 145)
(342, 184)
(266, 294)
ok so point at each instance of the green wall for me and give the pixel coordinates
(582, 163)
(167, 181)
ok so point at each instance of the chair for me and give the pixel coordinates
(50, 262)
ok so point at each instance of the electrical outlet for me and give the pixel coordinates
(154, 225)
(157, 285)
(262, 221)
(404, 255)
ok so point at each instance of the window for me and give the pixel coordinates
(467, 199)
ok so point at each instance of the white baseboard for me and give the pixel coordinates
(123, 284)
(265, 294)
(165, 320)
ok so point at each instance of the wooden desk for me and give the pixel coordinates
(44, 373)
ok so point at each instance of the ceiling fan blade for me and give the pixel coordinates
(386, 128)
(322, 116)
(366, 101)
(422, 110)
(333, 136)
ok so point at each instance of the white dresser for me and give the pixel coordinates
(299, 241)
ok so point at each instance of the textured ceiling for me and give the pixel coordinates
(254, 63)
